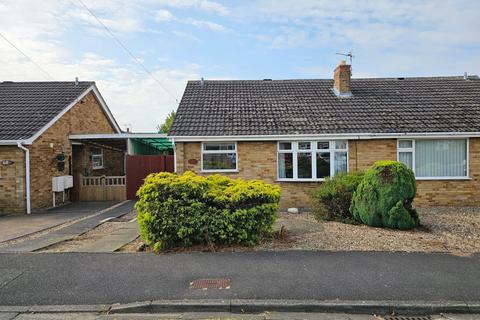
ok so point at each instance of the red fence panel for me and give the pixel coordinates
(138, 167)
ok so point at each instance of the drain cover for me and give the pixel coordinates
(406, 318)
(210, 284)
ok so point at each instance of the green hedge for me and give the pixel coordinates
(331, 201)
(384, 197)
(189, 209)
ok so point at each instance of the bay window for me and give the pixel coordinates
(219, 157)
(311, 160)
(435, 158)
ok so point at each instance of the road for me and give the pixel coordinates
(89, 278)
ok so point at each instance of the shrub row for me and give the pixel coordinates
(189, 209)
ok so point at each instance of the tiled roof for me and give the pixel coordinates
(378, 105)
(25, 107)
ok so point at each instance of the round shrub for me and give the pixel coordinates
(331, 201)
(190, 209)
(384, 197)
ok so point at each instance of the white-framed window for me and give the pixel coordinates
(97, 158)
(219, 157)
(311, 160)
(435, 158)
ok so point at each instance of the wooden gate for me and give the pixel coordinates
(102, 188)
(138, 167)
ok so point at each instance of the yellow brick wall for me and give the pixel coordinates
(12, 179)
(85, 117)
(257, 160)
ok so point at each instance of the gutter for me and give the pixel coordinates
(27, 174)
(297, 137)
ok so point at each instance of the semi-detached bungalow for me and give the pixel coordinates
(296, 133)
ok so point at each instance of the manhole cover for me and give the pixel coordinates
(210, 284)
(406, 318)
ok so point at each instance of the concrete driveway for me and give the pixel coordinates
(15, 226)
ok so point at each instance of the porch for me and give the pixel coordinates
(111, 167)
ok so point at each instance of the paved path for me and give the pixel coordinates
(78, 278)
(14, 226)
(113, 241)
(67, 232)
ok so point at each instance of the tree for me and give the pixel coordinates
(165, 127)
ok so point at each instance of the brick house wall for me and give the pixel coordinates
(86, 116)
(257, 160)
(12, 179)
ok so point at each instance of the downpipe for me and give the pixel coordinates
(27, 174)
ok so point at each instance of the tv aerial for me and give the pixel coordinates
(347, 55)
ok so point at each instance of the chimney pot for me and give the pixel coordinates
(342, 79)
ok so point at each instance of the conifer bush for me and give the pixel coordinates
(384, 197)
(190, 209)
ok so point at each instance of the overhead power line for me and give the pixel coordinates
(26, 56)
(124, 47)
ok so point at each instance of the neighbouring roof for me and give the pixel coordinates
(285, 107)
(26, 107)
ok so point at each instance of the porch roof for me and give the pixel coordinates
(158, 141)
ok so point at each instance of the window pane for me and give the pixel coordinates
(285, 146)
(304, 146)
(97, 161)
(406, 158)
(285, 165)
(340, 162)
(304, 163)
(219, 146)
(219, 161)
(441, 158)
(323, 145)
(323, 164)
(97, 151)
(341, 144)
(405, 143)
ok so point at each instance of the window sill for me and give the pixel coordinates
(98, 168)
(299, 180)
(441, 178)
(219, 171)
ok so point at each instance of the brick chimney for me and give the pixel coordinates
(341, 79)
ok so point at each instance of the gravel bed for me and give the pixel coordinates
(443, 229)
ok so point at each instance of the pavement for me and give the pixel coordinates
(217, 316)
(97, 278)
(97, 214)
(19, 225)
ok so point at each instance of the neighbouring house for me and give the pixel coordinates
(55, 130)
(296, 133)
(36, 119)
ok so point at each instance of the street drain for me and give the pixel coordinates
(205, 284)
(406, 318)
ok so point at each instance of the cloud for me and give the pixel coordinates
(163, 15)
(166, 16)
(204, 5)
(186, 36)
(204, 24)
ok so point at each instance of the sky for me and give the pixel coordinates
(181, 40)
